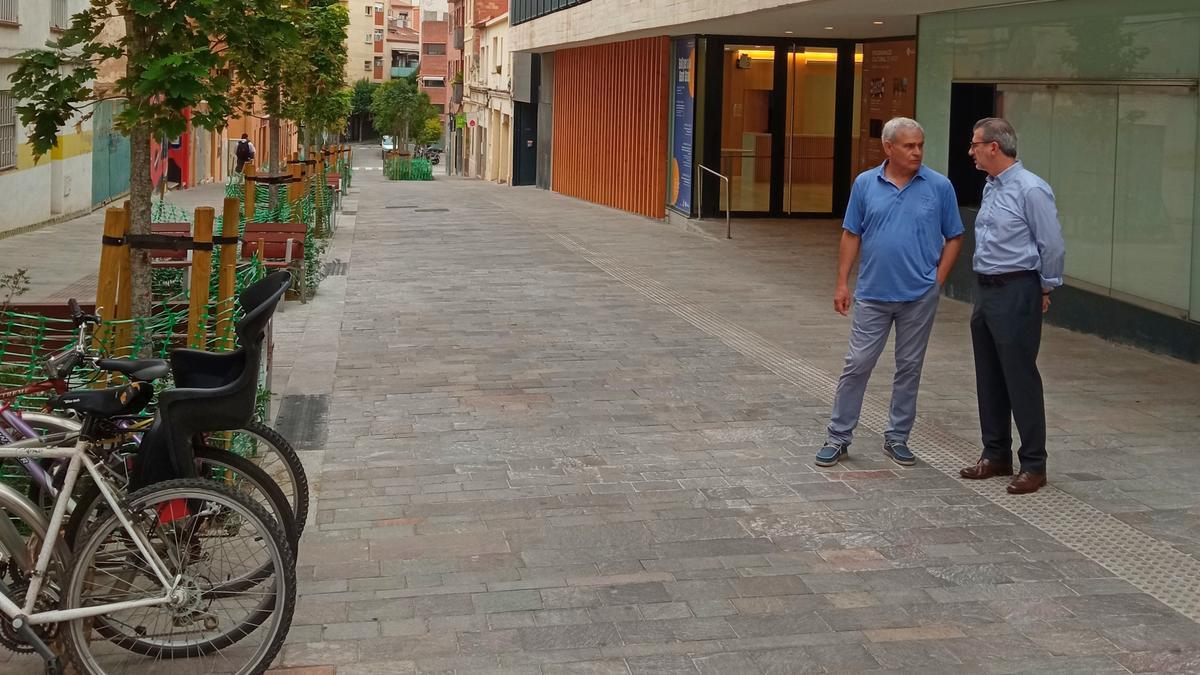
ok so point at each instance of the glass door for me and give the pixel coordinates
(746, 139)
(809, 129)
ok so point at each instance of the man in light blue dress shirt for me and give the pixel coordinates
(1019, 254)
(903, 217)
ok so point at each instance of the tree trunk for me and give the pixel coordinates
(275, 142)
(141, 189)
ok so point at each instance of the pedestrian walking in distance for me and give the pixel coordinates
(903, 219)
(1019, 254)
(244, 152)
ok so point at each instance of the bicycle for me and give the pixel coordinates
(159, 590)
(147, 554)
(272, 454)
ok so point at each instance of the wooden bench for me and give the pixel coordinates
(334, 180)
(171, 258)
(282, 247)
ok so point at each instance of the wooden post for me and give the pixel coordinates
(226, 283)
(113, 251)
(296, 189)
(123, 311)
(250, 173)
(319, 193)
(201, 272)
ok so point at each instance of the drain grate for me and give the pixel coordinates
(1156, 568)
(336, 268)
(304, 420)
(431, 210)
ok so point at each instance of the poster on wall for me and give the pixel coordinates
(683, 106)
(889, 73)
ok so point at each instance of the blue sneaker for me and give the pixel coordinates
(832, 453)
(899, 452)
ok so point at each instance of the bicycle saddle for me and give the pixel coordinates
(109, 402)
(141, 370)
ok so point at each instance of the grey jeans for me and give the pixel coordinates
(871, 322)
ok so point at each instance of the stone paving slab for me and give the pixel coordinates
(534, 466)
(563, 439)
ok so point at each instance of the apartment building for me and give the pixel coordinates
(60, 183)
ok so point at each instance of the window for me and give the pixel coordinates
(8, 11)
(367, 64)
(8, 131)
(435, 49)
(369, 38)
(370, 10)
(379, 35)
(434, 83)
(378, 61)
(402, 20)
(59, 18)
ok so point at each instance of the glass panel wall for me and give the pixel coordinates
(1120, 151)
(749, 80)
(811, 112)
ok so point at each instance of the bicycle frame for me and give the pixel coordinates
(37, 448)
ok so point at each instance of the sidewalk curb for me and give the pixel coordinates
(26, 229)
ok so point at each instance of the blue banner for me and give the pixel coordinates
(683, 99)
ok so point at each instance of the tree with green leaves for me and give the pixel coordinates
(317, 99)
(431, 132)
(178, 55)
(360, 102)
(399, 109)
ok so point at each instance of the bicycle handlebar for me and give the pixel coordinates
(78, 315)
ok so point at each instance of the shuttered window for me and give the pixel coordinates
(8, 131)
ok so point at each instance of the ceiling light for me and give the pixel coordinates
(828, 27)
(877, 23)
(788, 32)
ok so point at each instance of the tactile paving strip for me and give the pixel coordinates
(1154, 567)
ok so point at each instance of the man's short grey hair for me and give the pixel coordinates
(999, 131)
(897, 124)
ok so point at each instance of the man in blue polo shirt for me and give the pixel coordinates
(903, 218)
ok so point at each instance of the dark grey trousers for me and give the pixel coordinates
(1006, 332)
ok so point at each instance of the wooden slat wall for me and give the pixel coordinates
(611, 108)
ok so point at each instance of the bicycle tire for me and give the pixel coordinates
(280, 508)
(291, 465)
(282, 598)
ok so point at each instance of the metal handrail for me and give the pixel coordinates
(728, 198)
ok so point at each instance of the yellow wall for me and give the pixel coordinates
(71, 145)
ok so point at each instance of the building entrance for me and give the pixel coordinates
(779, 141)
(791, 122)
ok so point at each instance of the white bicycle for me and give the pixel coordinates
(186, 571)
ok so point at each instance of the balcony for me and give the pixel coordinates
(402, 71)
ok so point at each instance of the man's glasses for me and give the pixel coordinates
(975, 143)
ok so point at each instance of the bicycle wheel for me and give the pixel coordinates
(23, 529)
(201, 630)
(273, 454)
(239, 473)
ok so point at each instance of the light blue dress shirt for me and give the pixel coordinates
(1017, 227)
(903, 232)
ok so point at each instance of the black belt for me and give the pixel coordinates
(1003, 278)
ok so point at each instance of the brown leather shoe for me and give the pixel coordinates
(1026, 483)
(986, 468)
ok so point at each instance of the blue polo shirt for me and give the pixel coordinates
(903, 232)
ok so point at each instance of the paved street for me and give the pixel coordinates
(548, 437)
